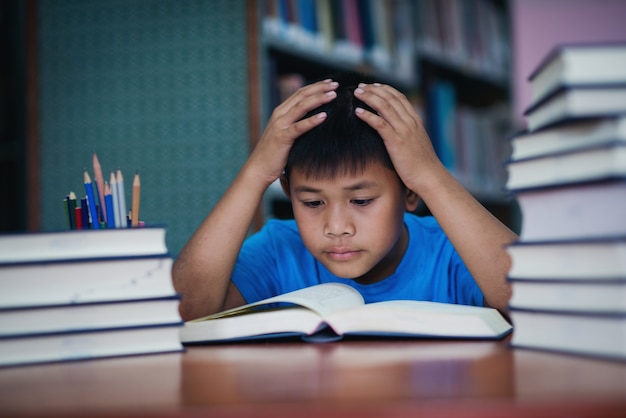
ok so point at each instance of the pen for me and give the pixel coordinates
(134, 221)
(91, 201)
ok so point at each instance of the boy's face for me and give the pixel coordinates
(353, 223)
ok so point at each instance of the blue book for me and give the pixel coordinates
(442, 122)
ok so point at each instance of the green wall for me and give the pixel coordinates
(154, 86)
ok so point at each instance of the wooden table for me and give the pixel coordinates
(345, 379)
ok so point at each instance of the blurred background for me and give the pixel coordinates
(179, 91)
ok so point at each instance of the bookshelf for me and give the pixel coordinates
(450, 57)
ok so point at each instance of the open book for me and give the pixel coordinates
(331, 311)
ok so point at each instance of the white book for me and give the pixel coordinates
(29, 321)
(83, 281)
(594, 163)
(594, 296)
(577, 64)
(576, 102)
(89, 345)
(595, 335)
(331, 311)
(575, 135)
(83, 243)
(576, 211)
(600, 259)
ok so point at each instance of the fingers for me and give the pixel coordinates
(306, 99)
(393, 108)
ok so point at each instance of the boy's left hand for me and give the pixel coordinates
(402, 131)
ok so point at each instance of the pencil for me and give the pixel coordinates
(121, 200)
(68, 215)
(108, 200)
(97, 170)
(84, 213)
(116, 201)
(134, 221)
(91, 201)
(71, 209)
(79, 217)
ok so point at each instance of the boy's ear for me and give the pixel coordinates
(284, 183)
(412, 200)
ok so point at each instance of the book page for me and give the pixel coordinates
(420, 318)
(322, 299)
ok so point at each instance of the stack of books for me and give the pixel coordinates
(83, 294)
(568, 173)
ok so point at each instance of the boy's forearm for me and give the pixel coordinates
(203, 269)
(478, 236)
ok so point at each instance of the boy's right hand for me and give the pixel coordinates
(286, 124)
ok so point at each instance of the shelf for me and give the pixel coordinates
(451, 58)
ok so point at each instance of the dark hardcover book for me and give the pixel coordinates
(579, 64)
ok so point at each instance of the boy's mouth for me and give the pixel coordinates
(342, 253)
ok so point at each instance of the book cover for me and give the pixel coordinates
(576, 64)
(89, 345)
(82, 281)
(84, 243)
(586, 334)
(442, 123)
(569, 260)
(81, 317)
(584, 164)
(571, 102)
(577, 134)
(574, 211)
(579, 295)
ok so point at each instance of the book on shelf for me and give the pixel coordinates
(442, 121)
(583, 333)
(333, 311)
(578, 64)
(573, 259)
(589, 295)
(85, 280)
(582, 210)
(88, 345)
(575, 135)
(571, 102)
(84, 243)
(594, 162)
(449, 31)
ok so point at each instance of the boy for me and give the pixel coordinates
(352, 160)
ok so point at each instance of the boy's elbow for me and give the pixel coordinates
(500, 299)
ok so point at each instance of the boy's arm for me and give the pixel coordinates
(476, 234)
(202, 271)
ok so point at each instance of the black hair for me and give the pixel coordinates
(342, 143)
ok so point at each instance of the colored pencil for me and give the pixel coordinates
(135, 203)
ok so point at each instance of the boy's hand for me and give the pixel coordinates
(402, 130)
(270, 154)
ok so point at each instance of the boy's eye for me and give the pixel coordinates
(362, 202)
(312, 203)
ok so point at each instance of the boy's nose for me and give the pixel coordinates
(338, 223)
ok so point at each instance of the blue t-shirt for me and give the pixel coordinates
(275, 261)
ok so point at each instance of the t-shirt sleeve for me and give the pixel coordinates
(255, 270)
